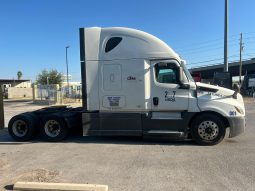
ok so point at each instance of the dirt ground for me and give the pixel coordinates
(128, 164)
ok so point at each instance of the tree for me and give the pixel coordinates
(19, 74)
(53, 76)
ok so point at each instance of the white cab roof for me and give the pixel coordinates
(134, 44)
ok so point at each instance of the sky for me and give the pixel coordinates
(34, 33)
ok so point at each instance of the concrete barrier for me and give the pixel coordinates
(1, 110)
(58, 186)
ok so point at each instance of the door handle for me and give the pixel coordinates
(112, 77)
(155, 101)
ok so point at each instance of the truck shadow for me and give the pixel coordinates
(129, 140)
(6, 139)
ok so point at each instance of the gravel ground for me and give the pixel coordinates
(130, 164)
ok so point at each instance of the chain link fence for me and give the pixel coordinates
(54, 94)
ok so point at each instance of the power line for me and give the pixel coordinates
(251, 37)
(205, 49)
(204, 46)
(250, 54)
(230, 62)
(197, 50)
(210, 42)
(213, 56)
(249, 32)
(206, 61)
(231, 37)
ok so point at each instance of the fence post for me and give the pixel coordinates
(34, 96)
(61, 95)
(1, 110)
(56, 94)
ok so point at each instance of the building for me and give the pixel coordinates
(6, 83)
(13, 88)
(207, 71)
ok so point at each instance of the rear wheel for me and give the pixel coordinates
(54, 128)
(208, 129)
(23, 127)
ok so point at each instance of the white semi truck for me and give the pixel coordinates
(134, 84)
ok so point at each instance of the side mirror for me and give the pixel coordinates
(181, 78)
(236, 88)
(181, 74)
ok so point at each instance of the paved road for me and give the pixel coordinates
(131, 164)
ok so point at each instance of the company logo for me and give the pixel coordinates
(131, 78)
(169, 97)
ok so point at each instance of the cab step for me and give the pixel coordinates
(164, 133)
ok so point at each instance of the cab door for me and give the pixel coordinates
(166, 92)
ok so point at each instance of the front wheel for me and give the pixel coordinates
(208, 129)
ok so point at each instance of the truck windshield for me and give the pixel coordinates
(186, 71)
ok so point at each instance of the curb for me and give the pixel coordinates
(58, 186)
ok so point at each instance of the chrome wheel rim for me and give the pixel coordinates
(208, 130)
(52, 128)
(19, 128)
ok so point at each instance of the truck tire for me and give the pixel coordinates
(208, 129)
(23, 127)
(54, 128)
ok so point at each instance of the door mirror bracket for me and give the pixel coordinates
(182, 84)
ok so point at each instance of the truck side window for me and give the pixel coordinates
(112, 43)
(166, 74)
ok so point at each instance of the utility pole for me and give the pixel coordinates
(67, 73)
(241, 50)
(226, 38)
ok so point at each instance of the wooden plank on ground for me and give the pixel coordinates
(25, 186)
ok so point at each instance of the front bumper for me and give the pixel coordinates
(237, 126)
